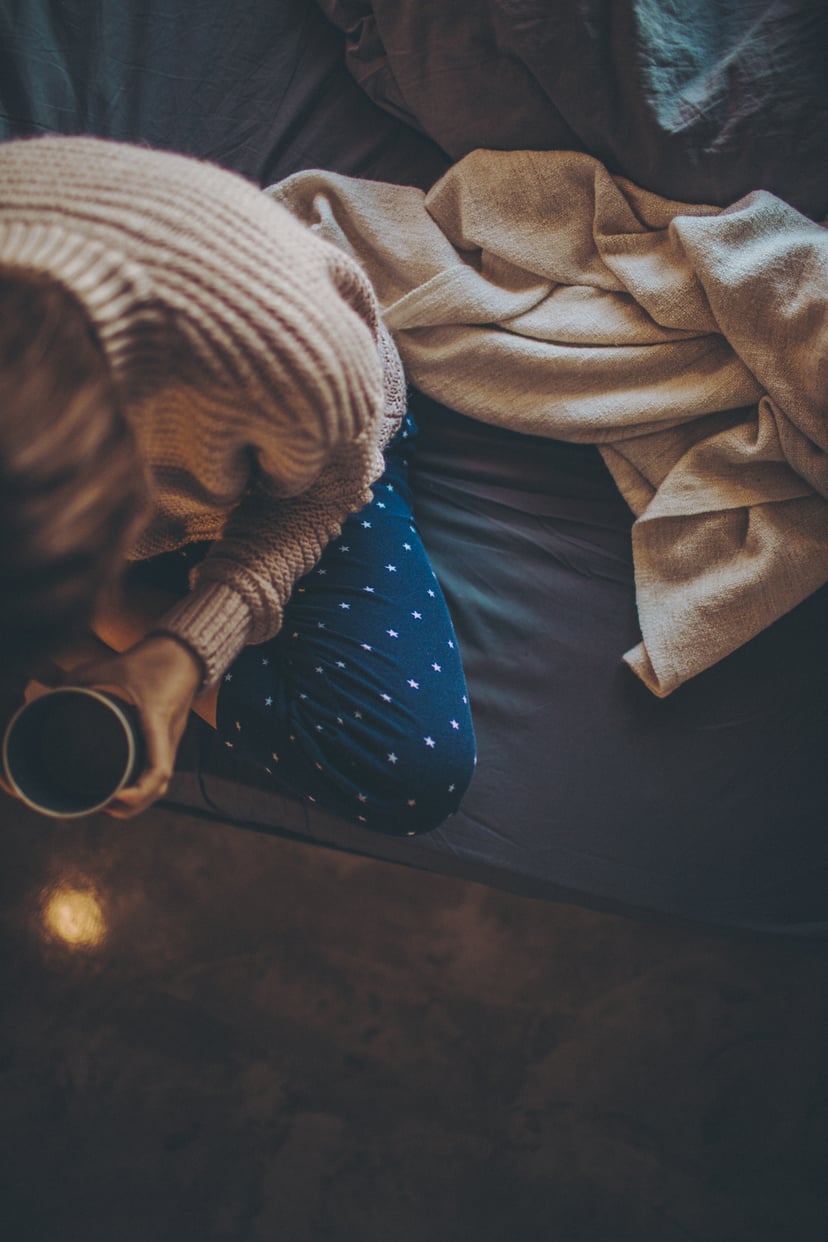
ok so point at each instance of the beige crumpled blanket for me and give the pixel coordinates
(536, 291)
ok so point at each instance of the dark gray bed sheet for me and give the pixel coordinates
(699, 100)
(259, 86)
(709, 805)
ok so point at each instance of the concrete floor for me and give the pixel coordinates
(214, 1035)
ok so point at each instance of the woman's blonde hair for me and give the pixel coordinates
(72, 490)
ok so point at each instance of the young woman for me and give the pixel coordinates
(187, 374)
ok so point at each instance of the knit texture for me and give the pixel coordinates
(249, 356)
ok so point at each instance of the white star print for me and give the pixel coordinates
(230, 744)
(321, 572)
(412, 683)
(320, 625)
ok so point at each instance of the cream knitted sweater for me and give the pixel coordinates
(249, 354)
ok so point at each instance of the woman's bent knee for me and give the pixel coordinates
(402, 788)
(397, 785)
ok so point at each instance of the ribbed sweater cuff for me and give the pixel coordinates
(214, 621)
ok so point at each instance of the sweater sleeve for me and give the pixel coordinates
(268, 544)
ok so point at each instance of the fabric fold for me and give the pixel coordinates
(535, 291)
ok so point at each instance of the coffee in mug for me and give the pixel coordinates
(70, 751)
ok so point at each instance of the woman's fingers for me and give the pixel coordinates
(34, 689)
(152, 786)
(159, 677)
(167, 675)
(154, 781)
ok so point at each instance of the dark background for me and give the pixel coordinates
(215, 1035)
(275, 1041)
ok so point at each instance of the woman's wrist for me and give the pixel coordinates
(178, 654)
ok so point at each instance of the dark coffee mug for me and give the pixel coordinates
(70, 751)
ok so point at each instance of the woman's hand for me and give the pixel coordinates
(160, 677)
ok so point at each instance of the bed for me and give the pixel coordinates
(709, 805)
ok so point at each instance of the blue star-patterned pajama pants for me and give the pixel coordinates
(359, 703)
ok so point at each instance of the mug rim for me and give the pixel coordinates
(109, 700)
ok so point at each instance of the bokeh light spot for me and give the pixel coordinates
(75, 916)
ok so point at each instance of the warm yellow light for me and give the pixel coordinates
(76, 917)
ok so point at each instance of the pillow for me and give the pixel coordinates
(701, 102)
